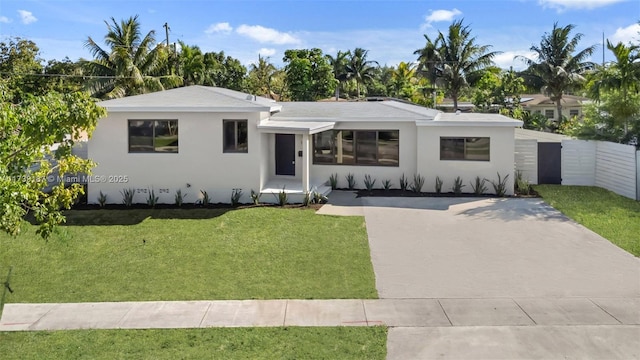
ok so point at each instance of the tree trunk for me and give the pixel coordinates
(559, 110)
(337, 92)
(454, 97)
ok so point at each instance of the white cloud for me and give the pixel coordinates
(27, 17)
(222, 27)
(4, 19)
(562, 5)
(627, 34)
(441, 15)
(507, 59)
(267, 35)
(264, 52)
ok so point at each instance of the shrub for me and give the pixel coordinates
(127, 196)
(236, 194)
(457, 185)
(386, 185)
(368, 182)
(333, 181)
(522, 185)
(282, 198)
(418, 183)
(351, 181)
(479, 186)
(307, 198)
(439, 183)
(255, 197)
(152, 199)
(102, 199)
(318, 198)
(404, 183)
(179, 198)
(206, 200)
(500, 187)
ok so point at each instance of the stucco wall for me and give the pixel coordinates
(501, 157)
(199, 163)
(407, 164)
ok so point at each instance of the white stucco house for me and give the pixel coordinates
(213, 139)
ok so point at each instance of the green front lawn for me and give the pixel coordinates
(191, 254)
(214, 343)
(615, 217)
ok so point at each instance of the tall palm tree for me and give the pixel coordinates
(558, 64)
(429, 65)
(622, 78)
(132, 64)
(359, 68)
(339, 65)
(455, 59)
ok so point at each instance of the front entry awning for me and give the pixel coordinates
(294, 127)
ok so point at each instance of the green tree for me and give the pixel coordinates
(20, 67)
(308, 75)
(28, 131)
(455, 59)
(558, 65)
(403, 80)
(64, 75)
(261, 77)
(224, 71)
(361, 70)
(621, 80)
(132, 64)
(191, 66)
(339, 65)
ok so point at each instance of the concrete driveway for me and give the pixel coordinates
(514, 278)
(491, 248)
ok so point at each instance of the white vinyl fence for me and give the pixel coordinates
(608, 165)
(526, 156)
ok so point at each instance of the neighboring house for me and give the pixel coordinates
(542, 104)
(206, 138)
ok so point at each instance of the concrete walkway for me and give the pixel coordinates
(391, 312)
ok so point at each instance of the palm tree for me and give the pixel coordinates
(557, 64)
(429, 61)
(339, 65)
(403, 77)
(622, 77)
(455, 59)
(191, 65)
(132, 65)
(262, 74)
(359, 68)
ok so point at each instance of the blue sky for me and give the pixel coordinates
(390, 30)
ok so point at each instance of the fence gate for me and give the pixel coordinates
(549, 163)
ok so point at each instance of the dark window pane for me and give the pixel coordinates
(366, 149)
(451, 148)
(323, 147)
(388, 148)
(235, 135)
(344, 147)
(477, 149)
(166, 136)
(242, 141)
(140, 136)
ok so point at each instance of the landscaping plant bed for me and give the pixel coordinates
(405, 193)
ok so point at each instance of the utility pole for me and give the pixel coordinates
(603, 49)
(171, 54)
(166, 30)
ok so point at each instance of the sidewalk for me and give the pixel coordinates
(391, 312)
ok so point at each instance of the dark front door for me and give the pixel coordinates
(285, 154)
(549, 164)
